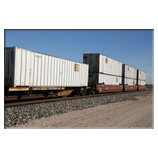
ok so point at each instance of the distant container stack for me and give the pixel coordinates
(104, 72)
(129, 77)
(141, 80)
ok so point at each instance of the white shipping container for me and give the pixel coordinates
(129, 72)
(129, 81)
(27, 68)
(141, 82)
(141, 75)
(99, 63)
(107, 79)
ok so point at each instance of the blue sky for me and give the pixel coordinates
(132, 47)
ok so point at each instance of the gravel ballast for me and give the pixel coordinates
(21, 114)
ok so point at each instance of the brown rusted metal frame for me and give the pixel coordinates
(102, 88)
(130, 87)
(141, 88)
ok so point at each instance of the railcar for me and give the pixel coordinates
(28, 72)
(141, 79)
(105, 74)
(129, 78)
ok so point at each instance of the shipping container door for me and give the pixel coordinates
(7, 65)
(12, 65)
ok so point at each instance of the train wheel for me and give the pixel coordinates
(93, 92)
(29, 94)
(78, 93)
(89, 92)
(83, 93)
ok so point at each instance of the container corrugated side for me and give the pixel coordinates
(99, 63)
(40, 70)
(95, 78)
(109, 66)
(128, 81)
(141, 75)
(129, 72)
(141, 82)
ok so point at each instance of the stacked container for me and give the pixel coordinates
(129, 77)
(26, 68)
(104, 72)
(141, 80)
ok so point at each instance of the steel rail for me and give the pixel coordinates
(53, 99)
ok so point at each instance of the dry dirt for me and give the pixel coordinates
(127, 114)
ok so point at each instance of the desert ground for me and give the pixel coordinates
(126, 114)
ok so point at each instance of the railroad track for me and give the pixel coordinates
(12, 100)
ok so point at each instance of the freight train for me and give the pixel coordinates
(28, 72)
